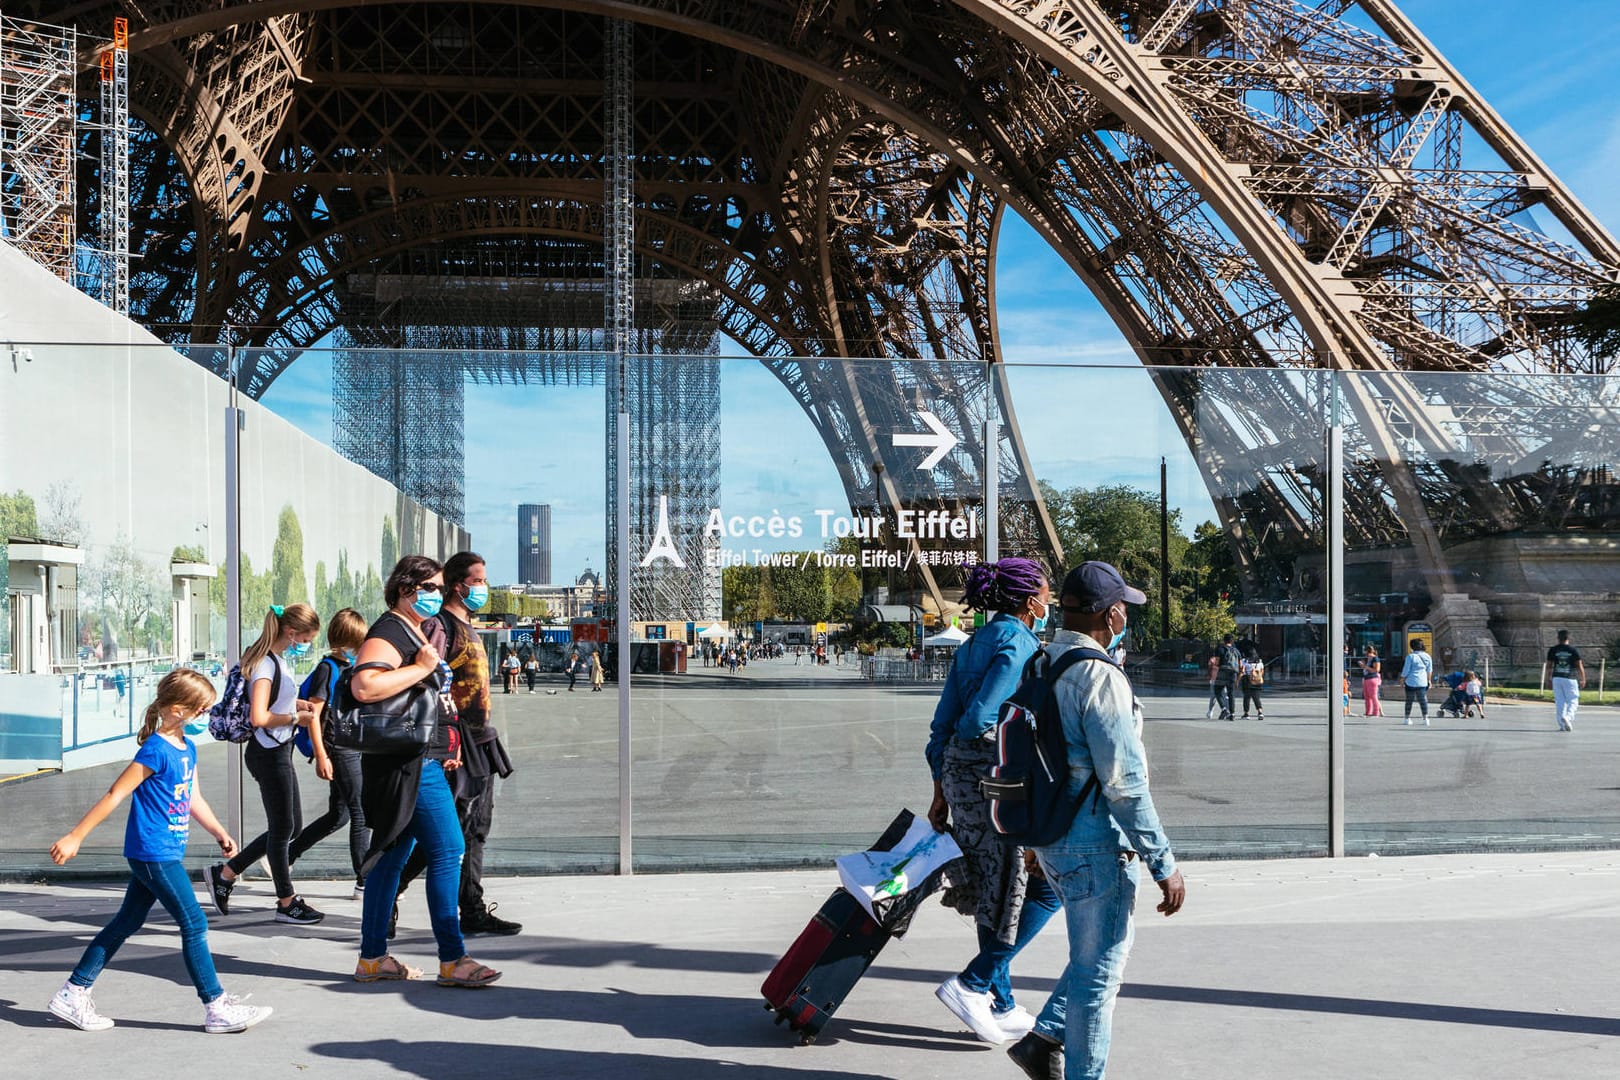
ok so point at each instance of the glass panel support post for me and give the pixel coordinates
(1335, 622)
(234, 422)
(622, 616)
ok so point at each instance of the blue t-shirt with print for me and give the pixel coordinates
(160, 809)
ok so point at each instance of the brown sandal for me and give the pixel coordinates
(384, 968)
(480, 975)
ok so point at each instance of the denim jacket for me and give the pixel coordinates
(986, 672)
(1102, 723)
(1418, 670)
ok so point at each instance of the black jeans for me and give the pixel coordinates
(1223, 693)
(1419, 694)
(273, 771)
(1252, 693)
(342, 808)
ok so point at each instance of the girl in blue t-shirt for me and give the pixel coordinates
(161, 784)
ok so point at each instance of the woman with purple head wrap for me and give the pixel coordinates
(1009, 904)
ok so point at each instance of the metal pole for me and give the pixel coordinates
(992, 486)
(1335, 618)
(1164, 552)
(623, 616)
(233, 585)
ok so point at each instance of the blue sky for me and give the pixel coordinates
(1555, 80)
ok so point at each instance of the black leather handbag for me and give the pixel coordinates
(401, 725)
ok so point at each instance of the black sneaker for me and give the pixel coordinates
(1040, 1059)
(485, 921)
(219, 890)
(299, 912)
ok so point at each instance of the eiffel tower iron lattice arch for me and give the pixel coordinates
(1241, 183)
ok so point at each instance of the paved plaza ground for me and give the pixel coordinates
(1459, 967)
(789, 765)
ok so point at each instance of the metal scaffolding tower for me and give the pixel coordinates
(618, 272)
(38, 116)
(114, 174)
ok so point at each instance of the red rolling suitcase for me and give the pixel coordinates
(823, 965)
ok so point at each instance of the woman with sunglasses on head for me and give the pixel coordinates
(407, 800)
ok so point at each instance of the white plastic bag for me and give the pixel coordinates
(881, 879)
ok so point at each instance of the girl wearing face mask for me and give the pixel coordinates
(274, 708)
(407, 799)
(1009, 903)
(341, 768)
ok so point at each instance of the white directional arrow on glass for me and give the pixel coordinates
(940, 438)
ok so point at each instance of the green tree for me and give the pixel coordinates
(287, 582)
(18, 516)
(1120, 524)
(740, 593)
(846, 596)
(1597, 326)
(1210, 566)
(323, 591)
(801, 593)
(390, 546)
(190, 553)
(126, 591)
(1207, 620)
(370, 594)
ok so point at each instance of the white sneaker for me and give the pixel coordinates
(972, 1009)
(73, 1004)
(1016, 1021)
(359, 891)
(228, 1013)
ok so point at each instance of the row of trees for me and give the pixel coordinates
(805, 592)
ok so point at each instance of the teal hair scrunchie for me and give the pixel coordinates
(278, 609)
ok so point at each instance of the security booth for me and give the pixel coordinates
(42, 588)
(192, 611)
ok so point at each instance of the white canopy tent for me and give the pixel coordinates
(715, 631)
(948, 636)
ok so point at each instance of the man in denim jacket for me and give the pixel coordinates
(1096, 866)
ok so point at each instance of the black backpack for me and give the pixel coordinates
(1026, 786)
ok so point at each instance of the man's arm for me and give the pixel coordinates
(1108, 723)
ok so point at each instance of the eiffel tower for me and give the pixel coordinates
(1245, 185)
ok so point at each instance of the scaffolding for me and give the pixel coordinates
(38, 142)
(114, 174)
(618, 271)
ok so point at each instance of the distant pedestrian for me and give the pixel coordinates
(1231, 664)
(1416, 675)
(531, 670)
(1008, 902)
(1252, 671)
(1097, 865)
(597, 674)
(509, 670)
(1372, 679)
(1212, 667)
(161, 784)
(1473, 695)
(574, 665)
(1567, 674)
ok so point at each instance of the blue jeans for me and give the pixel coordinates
(991, 969)
(165, 883)
(1099, 894)
(436, 827)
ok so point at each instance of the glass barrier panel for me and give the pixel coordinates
(1480, 515)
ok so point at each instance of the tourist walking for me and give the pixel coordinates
(1416, 674)
(340, 767)
(407, 798)
(1008, 902)
(1231, 664)
(1372, 679)
(483, 756)
(531, 670)
(1567, 674)
(1097, 865)
(1252, 673)
(597, 674)
(274, 707)
(574, 663)
(1212, 668)
(161, 784)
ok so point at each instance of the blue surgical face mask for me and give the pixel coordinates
(427, 604)
(1046, 615)
(477, 597)
(1114, 642)
(197, 725)
(295, 650)
(348, 654)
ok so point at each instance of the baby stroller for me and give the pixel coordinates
(1455, 703)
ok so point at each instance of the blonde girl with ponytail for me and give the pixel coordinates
(274, 709)
(162, 781)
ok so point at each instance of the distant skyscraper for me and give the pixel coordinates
(534, 544)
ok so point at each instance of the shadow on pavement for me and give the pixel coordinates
(22, 1016)
(433, 1060)
(1395, 1010)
